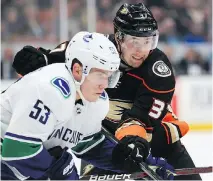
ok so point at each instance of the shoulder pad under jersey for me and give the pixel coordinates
(156, 72)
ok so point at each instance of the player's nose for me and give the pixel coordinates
(104, 84)
(138, 52)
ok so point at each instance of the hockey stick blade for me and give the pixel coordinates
(141, 175)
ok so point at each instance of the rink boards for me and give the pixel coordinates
(192, 101)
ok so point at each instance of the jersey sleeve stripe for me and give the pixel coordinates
(167, 133)
(20, 137)
(84, 146)
(174, 136)
(16, 150)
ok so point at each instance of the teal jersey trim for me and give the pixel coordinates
(87, 143)
(15, 150)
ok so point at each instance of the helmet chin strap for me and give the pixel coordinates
(78, 84)
(78, 87)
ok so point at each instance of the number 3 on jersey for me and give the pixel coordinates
(156, 109)
(38, 112)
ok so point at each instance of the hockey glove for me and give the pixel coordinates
(29, 59)
(130, 151)
(64, 167)
(162, 168)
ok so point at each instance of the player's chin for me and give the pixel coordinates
(137, 64)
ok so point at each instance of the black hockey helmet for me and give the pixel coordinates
(136, 20)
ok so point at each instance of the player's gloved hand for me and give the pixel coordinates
(29, 59)
(63, 168)
(161, 167)
(130, 151)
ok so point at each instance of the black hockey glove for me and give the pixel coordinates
(29, 59)
(130, 151)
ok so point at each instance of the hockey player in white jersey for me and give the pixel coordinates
(57, 107)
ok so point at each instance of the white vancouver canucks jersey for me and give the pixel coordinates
(40, 108)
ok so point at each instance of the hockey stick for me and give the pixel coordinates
(191, 171)
(142, 165)
(140, 175)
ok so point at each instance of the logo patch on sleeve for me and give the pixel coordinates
(161, 69)
(62, 85)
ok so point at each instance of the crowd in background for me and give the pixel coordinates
(179, 21)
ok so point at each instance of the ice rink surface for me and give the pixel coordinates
(200, 147)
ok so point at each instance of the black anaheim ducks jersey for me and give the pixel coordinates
(142, 93)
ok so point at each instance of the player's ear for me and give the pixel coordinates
(77, 71)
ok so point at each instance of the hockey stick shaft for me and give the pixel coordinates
(143, 166)
(191, 171)
(140, 175)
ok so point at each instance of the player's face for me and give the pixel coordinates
(135, 49)
(94, 84)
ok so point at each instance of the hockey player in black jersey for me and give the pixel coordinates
(140, 111)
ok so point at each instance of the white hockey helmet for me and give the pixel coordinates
(94, 50)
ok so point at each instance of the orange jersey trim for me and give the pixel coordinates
(149, 88)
